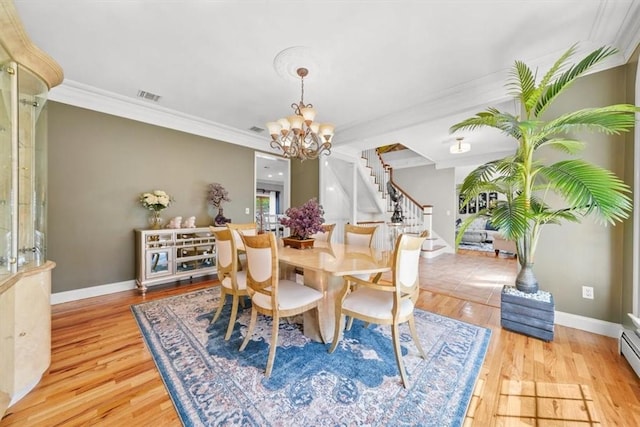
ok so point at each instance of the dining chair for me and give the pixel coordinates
(232, 281)
(325, 234)
(247, 229)
(386, 303)
(270, 295)
(237, 229)
(359, 235)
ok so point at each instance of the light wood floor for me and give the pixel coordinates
(102, 374)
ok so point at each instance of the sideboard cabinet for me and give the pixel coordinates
(173, 254)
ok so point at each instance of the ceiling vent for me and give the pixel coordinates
(148, 95)
(256, 129)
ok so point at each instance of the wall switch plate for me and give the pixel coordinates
(587, 292)
(247, 211)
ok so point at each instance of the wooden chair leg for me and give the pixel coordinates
(398, 350)
(349, 323)
(252, 324)
(232, 318)
(274, 345)
(337, 331)
(414, 334)
(223, 300)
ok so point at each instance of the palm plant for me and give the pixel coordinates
(525, 182)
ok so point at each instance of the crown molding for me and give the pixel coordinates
(84, 96)
(629, 34)
(463, 160)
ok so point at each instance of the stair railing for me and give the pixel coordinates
(378, 169)
(417, 217)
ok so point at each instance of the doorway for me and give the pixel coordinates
(272, 190)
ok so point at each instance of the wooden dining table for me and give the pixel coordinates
(323, 267)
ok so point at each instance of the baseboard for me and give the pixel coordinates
(94, 291)
(588, 324)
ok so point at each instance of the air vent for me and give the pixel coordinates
(256, 129)
(148, 95)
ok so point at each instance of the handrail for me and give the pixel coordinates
(403, 191)
(378, 169)
(417, 216)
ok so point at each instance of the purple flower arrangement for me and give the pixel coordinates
(217, 194)
(305, 220)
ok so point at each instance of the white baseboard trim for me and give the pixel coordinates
(589, 324)
(94, 291)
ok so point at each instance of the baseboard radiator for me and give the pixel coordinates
(630, 348)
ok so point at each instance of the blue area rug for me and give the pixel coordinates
(211, 383)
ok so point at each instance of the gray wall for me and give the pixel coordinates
(436, 187)
(98, 166)
(305, 181)
(570, 256)
(628, 255)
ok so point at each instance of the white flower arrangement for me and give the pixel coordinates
(156, 200)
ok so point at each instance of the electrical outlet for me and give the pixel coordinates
(587, 292)
(247, 211)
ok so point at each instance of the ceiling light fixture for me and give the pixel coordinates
(459, 147)
(298, 136)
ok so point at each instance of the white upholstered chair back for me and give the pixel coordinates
(248, 229)
(325, 234)
(358, 235)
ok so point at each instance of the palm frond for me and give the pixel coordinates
(609, 120)
(543, 214)
(569, 76)
(590, 189)
(551, 74)
(567, 145)
(478, 181)
(511, 218)
(492, 118)
(522, 82)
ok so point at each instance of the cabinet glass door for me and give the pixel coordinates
(159, 263)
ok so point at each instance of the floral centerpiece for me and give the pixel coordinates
(155, 201)
(216, 195)
(305, 220)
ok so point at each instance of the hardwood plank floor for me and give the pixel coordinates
(102, 374)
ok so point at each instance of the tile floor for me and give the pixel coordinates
(470, 275)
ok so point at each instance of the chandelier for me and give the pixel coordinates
(298, 136)
(459, 147)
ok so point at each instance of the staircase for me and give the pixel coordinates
(417, 217)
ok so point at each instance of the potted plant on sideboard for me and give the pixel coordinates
(524, 180)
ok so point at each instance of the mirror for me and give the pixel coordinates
(272, 191)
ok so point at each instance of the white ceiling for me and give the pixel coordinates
(387, 71)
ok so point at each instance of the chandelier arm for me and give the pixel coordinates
(302, 143)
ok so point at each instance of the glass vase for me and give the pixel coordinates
(155, 220)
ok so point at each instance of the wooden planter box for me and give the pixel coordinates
(528, 314)
(297, 243)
